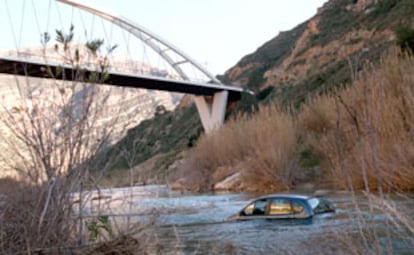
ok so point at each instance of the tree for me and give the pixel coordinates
(51, 132)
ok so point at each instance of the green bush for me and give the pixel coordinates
(248, 103)
(256, 78)
(405, 37)
(384, 6)
(264, 93)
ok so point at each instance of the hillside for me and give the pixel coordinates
(317, 56)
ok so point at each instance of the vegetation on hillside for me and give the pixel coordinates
(167, 135)
(359, 137)
(262, 144)
(405, 38)
(363, 134)
(349, 126)
(270, 54)
(335, 22)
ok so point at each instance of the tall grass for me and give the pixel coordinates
(364, 138)
(366, 132)
(364, 135)
(26, 228)
(262, 146)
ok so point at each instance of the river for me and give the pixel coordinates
(194, 224)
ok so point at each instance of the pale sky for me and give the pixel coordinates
(216, 33)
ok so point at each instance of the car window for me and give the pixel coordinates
(280, 206)
(248, 210)
(260, 207)
(297, 206)
(256, 208)
(324, 206)
(313, 202)
(320, 205)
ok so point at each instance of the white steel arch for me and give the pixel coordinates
(149, 38)
(211, 114)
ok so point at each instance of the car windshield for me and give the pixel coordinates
(320, 205)
(313, 202)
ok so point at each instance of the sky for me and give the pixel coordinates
(216, 33)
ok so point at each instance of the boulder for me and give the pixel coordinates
(177, 185)
(231, 182)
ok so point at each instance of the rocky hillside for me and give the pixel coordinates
(324, 51)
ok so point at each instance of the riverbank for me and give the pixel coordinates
(357, 137)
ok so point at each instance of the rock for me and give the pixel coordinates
(361, 5)
(322, 192)
(305, 186)
(231, 182)
(178, 184)
(327, 192)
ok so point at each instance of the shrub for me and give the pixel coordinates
(264, 93)
(405, 38)
(385, 6)
(256, 78)
(49, 144)
(365, 131)
(264, 144)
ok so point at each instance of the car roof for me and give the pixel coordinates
(290, 196)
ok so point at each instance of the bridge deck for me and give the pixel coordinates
(32, 68)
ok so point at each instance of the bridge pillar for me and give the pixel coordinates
(212, 113)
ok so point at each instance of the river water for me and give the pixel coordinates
(195, 224)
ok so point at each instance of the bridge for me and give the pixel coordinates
(210, 95)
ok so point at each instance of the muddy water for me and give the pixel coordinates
(195, 224)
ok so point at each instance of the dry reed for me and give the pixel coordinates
(366, 135)
(265, 144)
(365, 132)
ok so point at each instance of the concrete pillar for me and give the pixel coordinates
(212, 113)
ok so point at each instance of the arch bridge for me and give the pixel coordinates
(211, 96)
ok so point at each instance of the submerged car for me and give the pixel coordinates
(284, 206)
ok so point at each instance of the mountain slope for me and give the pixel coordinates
(318, 55)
